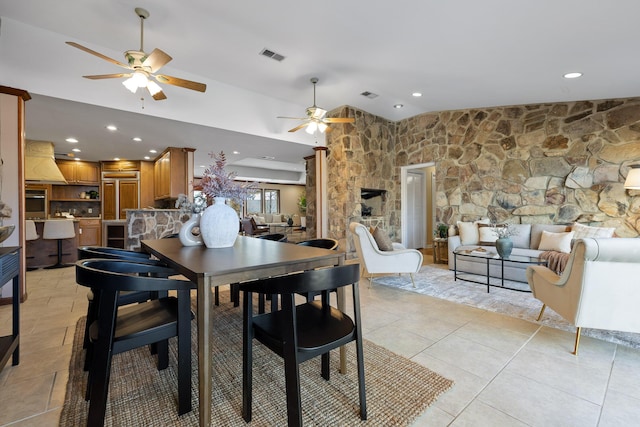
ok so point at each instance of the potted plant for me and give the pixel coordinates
(302, 206)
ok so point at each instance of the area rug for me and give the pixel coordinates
(438, 281)
(397, 389)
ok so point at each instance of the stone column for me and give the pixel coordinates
(322, 202)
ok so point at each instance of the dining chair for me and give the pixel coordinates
(119, 329)
(301, 332)
(124, 297)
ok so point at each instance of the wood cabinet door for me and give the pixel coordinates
(89, 233)
(68, 170)
(87, 173)
(109, 200)
(128, 196)
(163, 176)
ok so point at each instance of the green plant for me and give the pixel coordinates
(302, 202)
(441, 231)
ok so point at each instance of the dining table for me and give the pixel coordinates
(248, 259)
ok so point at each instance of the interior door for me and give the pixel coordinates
(416, 210)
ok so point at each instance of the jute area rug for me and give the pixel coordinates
(438, 281)
(397, 389)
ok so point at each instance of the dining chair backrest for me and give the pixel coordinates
(324, 243)
(277, 237)
(86, 252)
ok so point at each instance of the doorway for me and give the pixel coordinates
(417, 204)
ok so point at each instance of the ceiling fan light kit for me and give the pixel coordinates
(316, 120)
(142, 67)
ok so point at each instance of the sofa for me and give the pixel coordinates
(528, 240)
(268, 219)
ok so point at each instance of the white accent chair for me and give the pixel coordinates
(374, 261)
(599, 288)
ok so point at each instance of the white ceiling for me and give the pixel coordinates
(459, 54)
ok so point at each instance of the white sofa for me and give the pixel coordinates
(269, 219)
(525, 243)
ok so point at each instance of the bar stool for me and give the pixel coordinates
(59, 229)
(30, 233)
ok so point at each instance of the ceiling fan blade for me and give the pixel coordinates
(99, 55)
(339, 120)
(159, 96)
(293, 118)
(187, 84)
(107, 76)
(156, 60)
(297, 128)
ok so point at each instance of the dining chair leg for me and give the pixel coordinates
(162, 349)
(98, 388)
(541, 312)
(247, 356)
(216, 295)
(184, 352)
(292, 386)
(577, 343)
(325, 363)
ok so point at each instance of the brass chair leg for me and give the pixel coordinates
(575, 348)
(541, 312)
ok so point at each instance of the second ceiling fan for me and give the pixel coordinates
(316, 119)
(142, 67)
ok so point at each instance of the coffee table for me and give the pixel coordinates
(493, 259)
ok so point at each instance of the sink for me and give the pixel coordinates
(5, 232)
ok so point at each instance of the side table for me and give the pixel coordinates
(440, 250)
(10, 270)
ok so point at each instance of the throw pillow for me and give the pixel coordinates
(468, 231)
(487, 235)
(560, 242)
(382, 239)
(581, 231)
(521, 236)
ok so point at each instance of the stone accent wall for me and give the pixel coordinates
(152, 224)
(361, 155)
(542, 163)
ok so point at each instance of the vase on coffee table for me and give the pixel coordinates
(504, 246)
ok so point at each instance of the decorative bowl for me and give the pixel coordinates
(5, 232)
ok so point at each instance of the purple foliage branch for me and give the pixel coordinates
(216, 182)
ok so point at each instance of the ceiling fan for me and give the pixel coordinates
(143, 66)
(316, 119)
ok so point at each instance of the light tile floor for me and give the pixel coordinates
(507, 371)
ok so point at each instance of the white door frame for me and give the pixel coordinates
(403, 196)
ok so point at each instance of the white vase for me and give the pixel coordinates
(186, 236)
(219, 225)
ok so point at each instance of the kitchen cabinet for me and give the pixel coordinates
(114, 234)
(173, 173)
(120, 191)
(120, 166)
(77, 172)
(89, 232)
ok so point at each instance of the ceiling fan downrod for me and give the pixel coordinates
(143, 14)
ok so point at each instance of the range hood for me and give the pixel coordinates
(40, 164)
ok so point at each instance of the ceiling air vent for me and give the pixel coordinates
(369, 95)
(271, 54)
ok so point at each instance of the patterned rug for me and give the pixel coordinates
(437, 281)
(397, 389)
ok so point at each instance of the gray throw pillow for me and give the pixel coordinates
(382, 239)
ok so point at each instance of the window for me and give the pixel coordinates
(263, 201)
(271, 201)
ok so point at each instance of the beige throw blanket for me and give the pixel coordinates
(556, 261)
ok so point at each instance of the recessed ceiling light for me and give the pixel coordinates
(77, 150)
(147, 158)
(202, 166)
(77, 159)
(416, 94)
(112, 128)
(71, 140)
(398, 106)
(572, 75)
(116, 158)
(236, 152)
(137, 139)
(152, 151)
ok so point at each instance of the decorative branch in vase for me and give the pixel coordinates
(219, 224)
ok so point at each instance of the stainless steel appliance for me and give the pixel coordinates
(36, 202)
